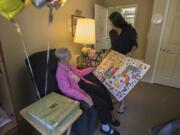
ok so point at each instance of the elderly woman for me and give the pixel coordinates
(72, 83)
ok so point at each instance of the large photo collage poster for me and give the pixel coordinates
(120, 73)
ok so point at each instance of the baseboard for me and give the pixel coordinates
(147, 80)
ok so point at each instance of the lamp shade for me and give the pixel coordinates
(85, 31)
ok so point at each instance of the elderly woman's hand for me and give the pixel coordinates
(89, 101)
(93, 69)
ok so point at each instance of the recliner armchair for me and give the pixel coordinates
(86, 124)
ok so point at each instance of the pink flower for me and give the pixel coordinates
(91, 52)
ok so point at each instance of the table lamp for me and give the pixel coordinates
(85, 32)
(85, 35)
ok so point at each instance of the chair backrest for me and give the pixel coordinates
(39, 65)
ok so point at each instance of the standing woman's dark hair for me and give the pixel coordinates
(118, 20)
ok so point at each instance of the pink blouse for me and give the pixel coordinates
(67, 84)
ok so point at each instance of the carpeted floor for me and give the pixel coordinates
(148, 105)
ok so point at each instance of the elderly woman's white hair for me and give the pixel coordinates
(62, 54)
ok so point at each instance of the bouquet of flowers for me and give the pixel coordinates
(90, 57)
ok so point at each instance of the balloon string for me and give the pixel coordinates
(30, 67)
(46, 86)
(31, 71)
(47, 67)
(46, 81)
(48, 50)
(26, 53)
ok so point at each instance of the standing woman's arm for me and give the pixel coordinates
(132, 51)
(133, 38)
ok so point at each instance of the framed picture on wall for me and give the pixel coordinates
(74, 19)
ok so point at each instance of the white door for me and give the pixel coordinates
(168, 71)
(102, 34)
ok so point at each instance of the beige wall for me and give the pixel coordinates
(144, 12)
(156, 31)
(36, 34)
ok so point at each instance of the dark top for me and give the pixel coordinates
(124, 42)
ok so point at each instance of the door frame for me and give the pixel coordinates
(101, 39)
(154, 73)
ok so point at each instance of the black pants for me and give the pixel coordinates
(102, 100)
(91, 77)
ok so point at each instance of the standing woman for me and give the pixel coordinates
(123, 39)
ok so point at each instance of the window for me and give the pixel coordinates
(129, 14)
(127, 11)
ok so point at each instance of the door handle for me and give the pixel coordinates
(164, 50)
